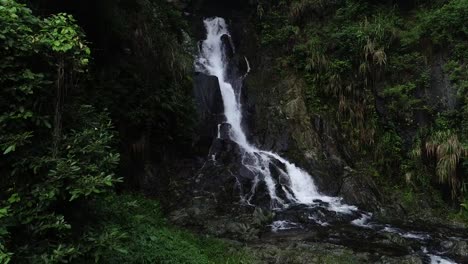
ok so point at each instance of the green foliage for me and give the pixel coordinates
(250, 230)
(58, 143)
(83, 170)
(438, 25)
(148, 75)
(457, 71)
(276, 31)
(420, 202)
(369, 68)
(448, 151)
(388, 153)
(446, 24)
(62, 35)
(348, 72)
(44, 193)
(402, 102)
(464, 210)
(147, 238)
(300, 8)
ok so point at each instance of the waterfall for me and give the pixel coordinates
(296, 185)
(291, 184)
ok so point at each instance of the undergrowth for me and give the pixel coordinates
(146, 237)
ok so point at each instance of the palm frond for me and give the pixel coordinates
(446, 148)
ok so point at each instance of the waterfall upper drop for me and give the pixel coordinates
(285, 183)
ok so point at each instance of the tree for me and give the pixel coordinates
(50, 169)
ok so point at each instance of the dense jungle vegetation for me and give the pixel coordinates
(61, 102)
(376, 68)
(90, 101)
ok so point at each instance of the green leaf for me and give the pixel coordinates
(9, 149)
(14, 198)
(4, 211)
(121, 250)
(47, 124)
(464, 205)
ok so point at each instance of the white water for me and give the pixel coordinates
(434, 259)
(363, 221)
(440, 260)
(283, 225)
(297, 186)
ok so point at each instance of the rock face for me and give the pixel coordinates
(210, 107)
(280, 122)
(441, 92)
(359, 190)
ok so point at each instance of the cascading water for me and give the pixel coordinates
(293, 185)
(297, 185)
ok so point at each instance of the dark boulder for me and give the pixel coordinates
(359, 190)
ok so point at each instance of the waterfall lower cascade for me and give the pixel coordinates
(287, 185)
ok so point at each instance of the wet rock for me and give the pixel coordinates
(459, 248)
(305, 253)
(309, 217)
(225, 177)
(442, 92)
(210, 108)
(224, 131)
(246, 173)
(412, 259)
(227, 45)
(359, 190)
(207, 95)
(237, 69)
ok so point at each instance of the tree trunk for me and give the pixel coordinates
(59, 98)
